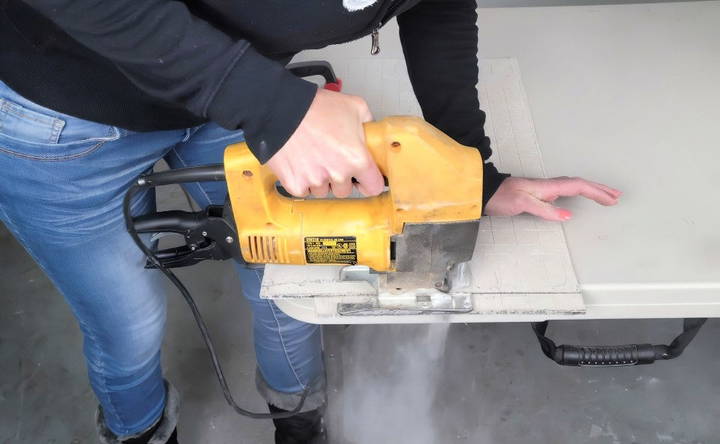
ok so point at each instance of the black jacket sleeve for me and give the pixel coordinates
(173, 55)
(440, 42)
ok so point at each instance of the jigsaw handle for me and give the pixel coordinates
(253, 168)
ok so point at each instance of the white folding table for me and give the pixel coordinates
(572, 98)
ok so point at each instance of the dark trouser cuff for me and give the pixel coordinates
(316, 397)
(164, 427)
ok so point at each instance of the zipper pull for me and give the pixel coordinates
(375, 47)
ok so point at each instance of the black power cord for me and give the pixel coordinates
(211, 173)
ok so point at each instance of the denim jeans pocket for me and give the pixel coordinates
(33, 132)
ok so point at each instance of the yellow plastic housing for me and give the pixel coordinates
(432, 179)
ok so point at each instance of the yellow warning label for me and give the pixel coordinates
(331, 250)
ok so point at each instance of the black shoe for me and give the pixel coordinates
(303, 428)
(154, 435)
(146, 437)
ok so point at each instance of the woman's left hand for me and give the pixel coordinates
(518, 195)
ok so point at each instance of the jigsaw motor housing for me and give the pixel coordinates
(432, 179)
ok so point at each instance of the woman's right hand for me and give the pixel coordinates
(328, 150)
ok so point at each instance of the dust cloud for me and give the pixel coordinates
(390, 375)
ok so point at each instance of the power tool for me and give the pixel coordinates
(417, 230)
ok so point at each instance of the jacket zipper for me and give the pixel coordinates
(375, 41)
(375, 36)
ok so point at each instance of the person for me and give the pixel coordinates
(93, 93)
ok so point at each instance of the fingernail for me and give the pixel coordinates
(565, 215)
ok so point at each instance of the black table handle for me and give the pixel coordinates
(615, 355)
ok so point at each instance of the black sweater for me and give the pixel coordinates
(167, 64)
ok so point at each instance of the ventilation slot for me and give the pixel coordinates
(267, 249)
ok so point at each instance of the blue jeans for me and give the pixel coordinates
(62, 182)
